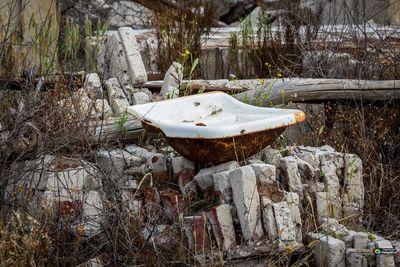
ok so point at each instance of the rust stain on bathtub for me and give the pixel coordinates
(220, 150)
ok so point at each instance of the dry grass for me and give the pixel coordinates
(181, 30)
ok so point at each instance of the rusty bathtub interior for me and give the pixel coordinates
(214, 128)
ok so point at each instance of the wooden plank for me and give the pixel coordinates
(321, 90)
(207, 85)
(297, 89)
(110, 129)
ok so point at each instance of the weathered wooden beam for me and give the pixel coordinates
(321, 90)
(297, 90)
(110, 129)
(208, 85)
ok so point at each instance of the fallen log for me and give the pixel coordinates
(321, 90)
(112, 129)
(277, 91)
(209, 85)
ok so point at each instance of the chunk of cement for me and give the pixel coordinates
(172, 80)
(290, 175)
(93, 84)
(247, 202)
(284, 223)
(265, 173)
(180, 163)
(137, 71)
(329, 251)
(114, 162)
(293, 201)
(222, 187)
(222, 225)
(116, 96)
(268, 218)
(205, 176)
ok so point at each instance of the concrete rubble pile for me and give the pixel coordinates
(240, 209)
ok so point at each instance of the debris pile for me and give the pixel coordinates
(240, 209)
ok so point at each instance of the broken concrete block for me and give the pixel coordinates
(332, 226)
(349, 238)
(93, 85)
(139, 98)
(307, 154)
(247, 202)
(136, 171)
(290, 175)
(74, 174)
(329, 161)
(113, 62)
(173, 203)
(187, 185)
(332, 187)
(116, 96)
(102, 109)
(180, 163)
(204, 177)
(129, 91)
(293, 201)
(56, 183)
(157, 162)
(91, 215)
(353, 196)
(268, 218)
(396, 246)
(360, 240)
(197, 234)
(272, 156)
(115, 162)
(172, 80)
(272, 191)
(284, 223)
(265, 173)
(138, 151)
(137, 71)
(222, 187)
(220, 218)
(306, 170)
(315, 186)
(327, 205)
(355, 259)
(384, 253)
(329, 251)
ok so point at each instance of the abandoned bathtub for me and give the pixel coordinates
(215, 127)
